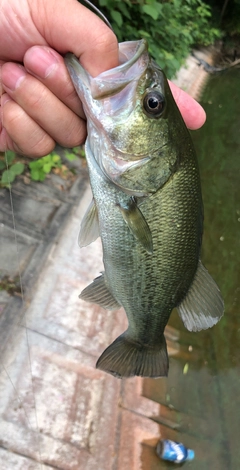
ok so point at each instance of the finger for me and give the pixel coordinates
(20, 133)
(42, 106)
(192, 112)
(5, 141)
(79, 31)
(47, 65)
(1, 88)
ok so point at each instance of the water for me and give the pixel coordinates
(203, 388)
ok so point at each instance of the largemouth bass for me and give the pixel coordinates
(147, 209)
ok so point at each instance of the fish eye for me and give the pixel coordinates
(153, 104)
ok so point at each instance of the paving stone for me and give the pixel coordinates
(56, 309)
(32, 211)
(11, 461)
(55, 406)
(133, 399)
(4, 298)
(14, 256)
(58, 408)
(135, 430)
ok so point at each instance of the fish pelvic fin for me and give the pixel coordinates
(203, 305)
(137, 224)
(126, 358)
(89, 230)
(98, 293)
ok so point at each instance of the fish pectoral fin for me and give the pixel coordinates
(126, 358)
(203, 305)
(98, 293)
(137, 224)
(89, 230)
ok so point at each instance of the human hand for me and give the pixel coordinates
(39, 106)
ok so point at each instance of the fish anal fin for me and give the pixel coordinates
(137, 224)
(126, 358)
(89, 230)
(203, 305)
(98, 293)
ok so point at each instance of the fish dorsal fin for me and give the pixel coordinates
(89, 230)
(98, 293)
(137, 224)
(203, 305)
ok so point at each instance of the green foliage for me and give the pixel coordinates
(39, 169)
(172, 27)
(10, 169)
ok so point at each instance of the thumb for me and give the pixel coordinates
(68, 26)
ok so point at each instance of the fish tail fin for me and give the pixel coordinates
(126, 358)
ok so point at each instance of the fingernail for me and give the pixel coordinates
(13, 76)
(41, 61)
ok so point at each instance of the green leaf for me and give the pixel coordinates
(2, 165)
(46, 159)
(70, 156)
(47, 167)
(10, 156)
(151, 11)
(124, 10)
(76, 149)
(82, 153)
(55, 157)
(38, 175)
(37, 164)
(116, 16)
(42, 176)
(7, 177)
(144, 34)
(17, 168)
(35, 174)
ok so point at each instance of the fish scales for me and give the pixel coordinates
(147, 284)
(147, 208)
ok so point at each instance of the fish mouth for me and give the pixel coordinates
(133, 58)
(95, 91)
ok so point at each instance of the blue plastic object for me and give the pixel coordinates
(174, 451)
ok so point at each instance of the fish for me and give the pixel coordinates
(146, 207)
